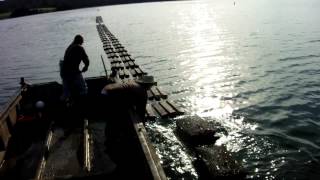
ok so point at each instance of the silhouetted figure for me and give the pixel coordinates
(74, 86)
(73, 82)
(117, 99)
(129, 94)
(126, 95)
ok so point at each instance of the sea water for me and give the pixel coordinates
(251, 66)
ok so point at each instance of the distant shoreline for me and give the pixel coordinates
(21, 11)
(26, 12)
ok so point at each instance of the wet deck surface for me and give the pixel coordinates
(101, 160)
(65, 158)
(115, 151)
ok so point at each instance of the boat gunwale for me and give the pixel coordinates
(13, 100)
(149, 151)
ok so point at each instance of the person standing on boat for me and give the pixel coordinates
(74, 85)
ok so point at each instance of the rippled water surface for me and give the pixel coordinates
(253, 67)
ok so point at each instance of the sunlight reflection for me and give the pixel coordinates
(207, 62)
(171, 152)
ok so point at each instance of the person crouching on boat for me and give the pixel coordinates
(129, 94)
(74, 85)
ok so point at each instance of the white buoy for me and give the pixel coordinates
(40, 104)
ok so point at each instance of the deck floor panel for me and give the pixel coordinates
(63, 159)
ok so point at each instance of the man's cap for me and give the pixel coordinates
(146, 80)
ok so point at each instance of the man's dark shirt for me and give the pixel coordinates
(72, 59)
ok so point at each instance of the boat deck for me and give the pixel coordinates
(63, 145)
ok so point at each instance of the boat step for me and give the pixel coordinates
(156, 93)
(150, 114)
(163, 109)
(160, 110)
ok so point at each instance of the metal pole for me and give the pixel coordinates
(104, 66)
(86, 147)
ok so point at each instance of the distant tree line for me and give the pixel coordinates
(28, 7)
(21, 7)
